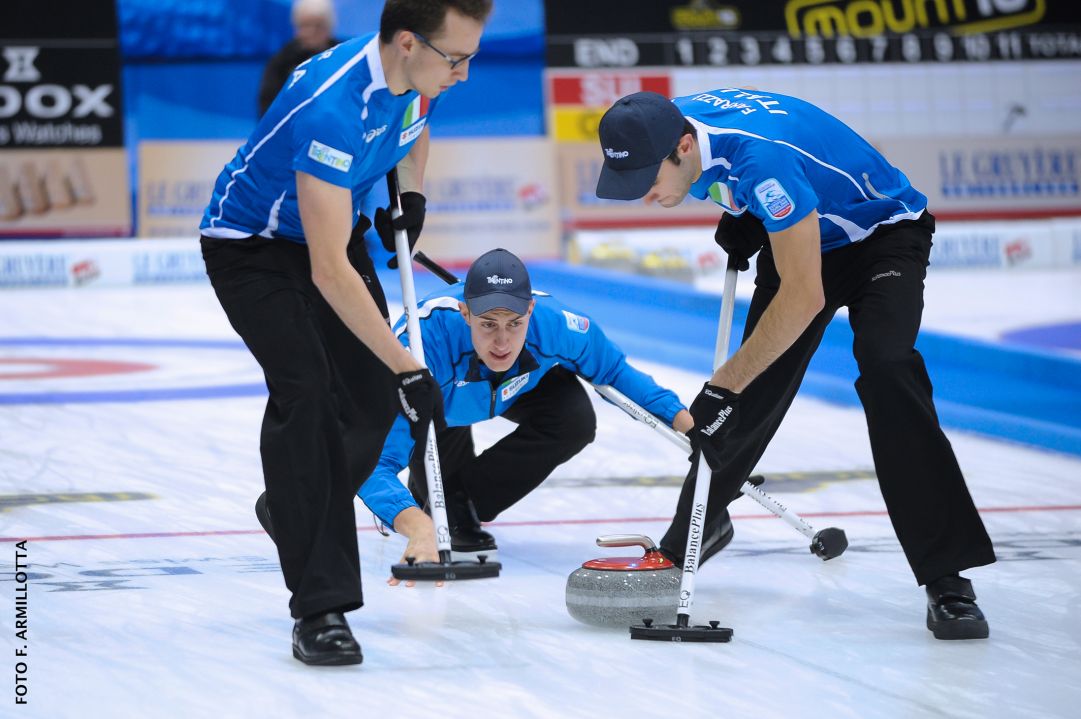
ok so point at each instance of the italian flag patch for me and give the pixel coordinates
(416, 110)
(720, 194)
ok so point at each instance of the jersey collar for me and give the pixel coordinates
(704, 148)
(375, 66)
(712, 167)
(526, 363)
(700, 187)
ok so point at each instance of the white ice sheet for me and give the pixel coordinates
(173, 606)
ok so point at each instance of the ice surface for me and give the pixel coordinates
(166, 600)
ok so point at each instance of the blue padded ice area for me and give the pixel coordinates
(1023, 395)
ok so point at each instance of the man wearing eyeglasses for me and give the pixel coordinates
(285, 254)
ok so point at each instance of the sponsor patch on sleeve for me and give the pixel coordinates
(327, 155)
(777, 203)
(576, 323)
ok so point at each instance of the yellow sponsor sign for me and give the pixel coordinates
(872, 18)
(705, 15)
(575, 123)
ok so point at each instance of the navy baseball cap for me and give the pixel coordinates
(497, 280)
(637, 133)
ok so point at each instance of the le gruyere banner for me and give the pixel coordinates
(176, 179)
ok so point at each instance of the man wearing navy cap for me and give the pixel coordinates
(497, 347)
(838, 226)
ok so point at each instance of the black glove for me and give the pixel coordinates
(411, 220)
(361, 260)
(421, 404)
(362, 225)
(740, 237)
(716, 412)
(356, 244)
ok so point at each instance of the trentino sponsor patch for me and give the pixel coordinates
(326, 155)
(576, 323)
(776, 202)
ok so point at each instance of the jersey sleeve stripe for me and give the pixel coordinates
(731, 131)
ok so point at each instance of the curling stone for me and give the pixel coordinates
(621, 591)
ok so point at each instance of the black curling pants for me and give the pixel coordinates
(330, 407)
(880, 280)
(555, 422)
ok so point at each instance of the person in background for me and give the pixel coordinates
(313, 32)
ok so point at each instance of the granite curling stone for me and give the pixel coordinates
(621, 591)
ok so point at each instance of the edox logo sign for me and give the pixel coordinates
(47, 101)
(20, 62)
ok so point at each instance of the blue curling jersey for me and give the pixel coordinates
(781, 158)
(335, 119)
(556, 335)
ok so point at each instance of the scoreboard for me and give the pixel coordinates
(747, 48)
(970, 97)
(677, 33)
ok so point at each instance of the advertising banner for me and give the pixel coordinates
(482, 193)
(674, 253)
(579, 168)
(1001, 177)
(688, 254)
(964, 178)
(576, 100)
(102, 263)
(1007, 245)
(176, 179)
(971, 176)
(487, 193)
(63, 169)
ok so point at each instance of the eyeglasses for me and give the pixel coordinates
(453, 63)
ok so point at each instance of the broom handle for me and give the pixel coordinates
(701, 486)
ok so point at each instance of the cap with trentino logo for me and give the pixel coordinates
(497, 280)
(637, 133)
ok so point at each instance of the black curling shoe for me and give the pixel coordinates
(262, 513)
(467, 538)
(325, 640)
(720, 534)
(466, 534)
(718, 538)
(951, 609)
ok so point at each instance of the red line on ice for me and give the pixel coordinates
(530, 523)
